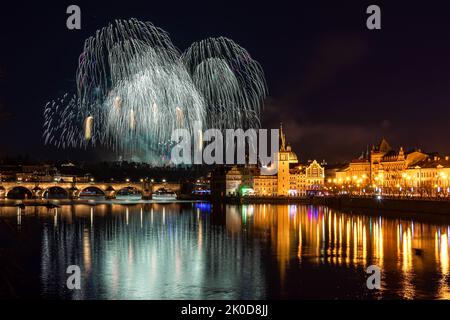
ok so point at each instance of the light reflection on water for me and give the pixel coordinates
(198, 251)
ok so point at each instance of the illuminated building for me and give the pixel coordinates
(292, 178)
(230, 180)
(428, 177)
(42, 172)
(388, 171)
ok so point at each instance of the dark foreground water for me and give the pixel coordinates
(196, 251)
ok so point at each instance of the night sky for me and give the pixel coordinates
(336, 86)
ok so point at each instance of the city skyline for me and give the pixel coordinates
(224, 156)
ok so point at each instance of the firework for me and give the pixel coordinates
(231, 82)
(134, 88)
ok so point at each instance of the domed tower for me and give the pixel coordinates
(292, 155)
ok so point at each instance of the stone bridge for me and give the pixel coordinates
(38, 190)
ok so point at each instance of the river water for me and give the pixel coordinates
(201, 251)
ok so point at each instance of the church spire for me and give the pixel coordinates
(401, 154)
(283, 138)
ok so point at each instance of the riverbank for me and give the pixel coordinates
(421, 206)
(427, 206)
(424, 206)
(262, 200)
(90, 202)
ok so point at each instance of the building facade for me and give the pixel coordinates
(388, 171)
(290, 178)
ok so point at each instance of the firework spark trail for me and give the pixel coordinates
(231, 81)
(134, 88)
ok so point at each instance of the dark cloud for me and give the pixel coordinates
(332, 55)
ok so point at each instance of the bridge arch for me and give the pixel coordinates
(91, 191)
(168, 188)
(19, 192)
(55, 192)
(128, 190)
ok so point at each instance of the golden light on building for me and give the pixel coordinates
(291, 177)
(393, 172)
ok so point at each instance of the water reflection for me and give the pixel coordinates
(326, 237)
(163, 253)
(200, 251)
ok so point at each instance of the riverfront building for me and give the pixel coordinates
(291, 178)
(385, 170)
